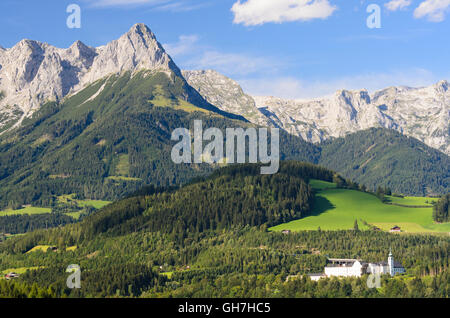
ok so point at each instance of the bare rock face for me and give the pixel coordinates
(422, 113)
(317, 120)
(136, 50)
(32, 72)
(225, 94)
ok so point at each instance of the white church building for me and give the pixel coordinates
(390, 267)
(343, 267)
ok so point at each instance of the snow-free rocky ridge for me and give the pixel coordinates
(422, 113)
(33, 72)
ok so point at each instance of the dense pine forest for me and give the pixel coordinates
(441, 209)
(16, 224)
(210, 239)
(244, 262)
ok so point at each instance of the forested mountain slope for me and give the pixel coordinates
(234, 196)
(382, 157)
(110, 139)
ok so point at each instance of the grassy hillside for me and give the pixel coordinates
(337, 209)
(27, 210)
(67, 199)
(97, 204)
(411, 201)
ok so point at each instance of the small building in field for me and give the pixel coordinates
(317, 276)
(11, 275)
(395, 229)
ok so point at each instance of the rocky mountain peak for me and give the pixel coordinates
(442, 85)
(32, 72)
(135, 50)
(139, 36)
(422, 113)
(79, 46)
(26, 46)
(225, 93)
(352, 100)
(80, 54)
(142, 30)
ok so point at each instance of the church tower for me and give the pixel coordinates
(391, 263)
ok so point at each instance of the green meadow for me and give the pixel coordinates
(45, 248)
(69, 198)
(19, 270)
(337, 209)
(26, 210)
(42, 248)
(421, 201)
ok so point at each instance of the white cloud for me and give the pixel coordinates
(161, 5)
(257, 12)
(433, 10)
(233, 63)
(295, 88)
(185, 45)
(395, 5)
(182, 6)
(191, 54)
(283, 87)
(114, 3)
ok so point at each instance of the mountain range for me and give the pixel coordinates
(97, 122)
(32, 73)
(422, 113)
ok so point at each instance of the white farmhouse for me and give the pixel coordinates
(343, 267)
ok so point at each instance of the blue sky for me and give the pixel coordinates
(286, 48)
